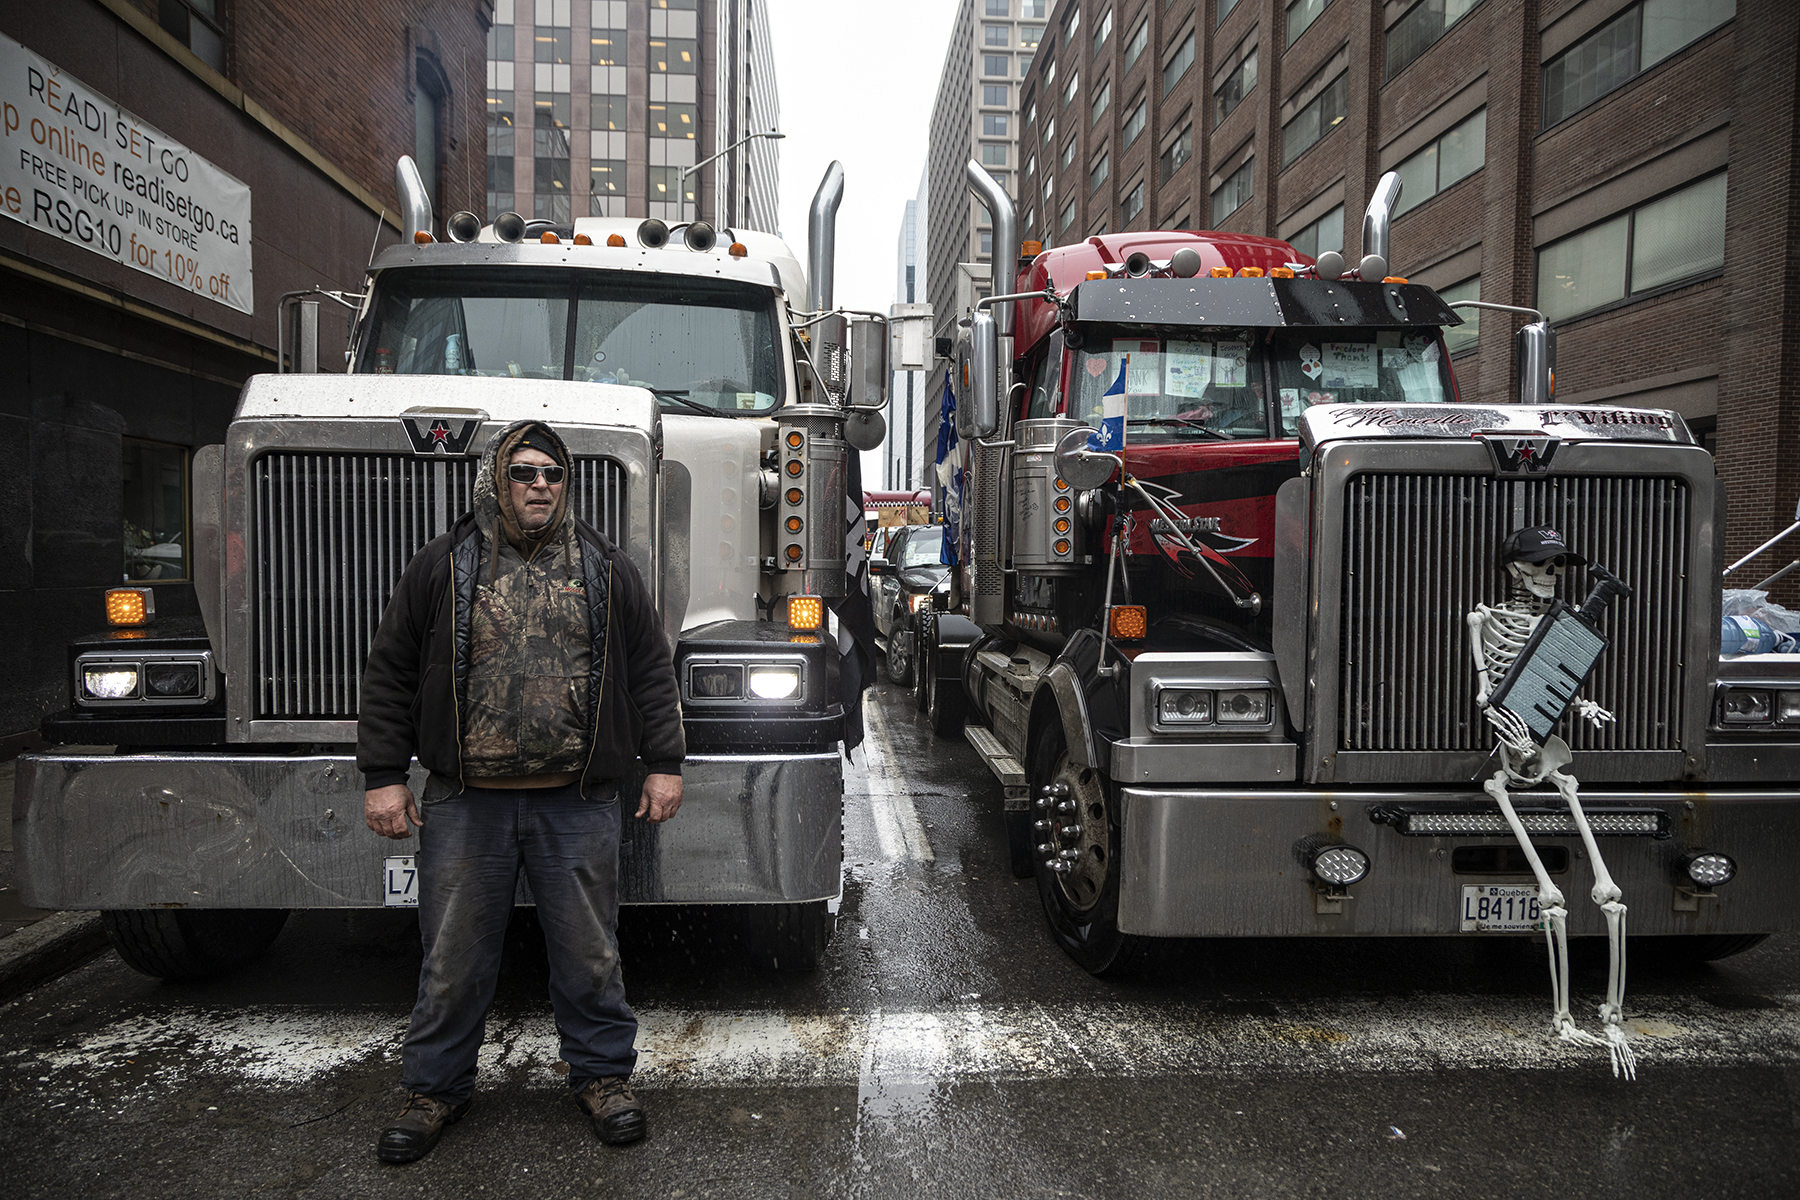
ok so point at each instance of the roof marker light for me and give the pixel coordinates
(1393, 279)
(1096, 274)
(613, 239)
(1281, 273)
(1220, 272)
(739, 250)
(549, 238)
(582, 239)
(1250, 273)
(422, 238)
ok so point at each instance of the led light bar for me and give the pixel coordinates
(1638, 823)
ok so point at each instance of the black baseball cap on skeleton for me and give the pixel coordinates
(1536, 544)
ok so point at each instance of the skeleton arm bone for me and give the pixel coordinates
(1475, 621)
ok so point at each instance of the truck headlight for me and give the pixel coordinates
(775, 683)
(1787, 706)
(109, 682)
(716, 681)
(1747, 706)
(1184, 706)
(1245, 707)
(922, 600)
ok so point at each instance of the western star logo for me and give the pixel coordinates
(432, 433)
(1520, 453)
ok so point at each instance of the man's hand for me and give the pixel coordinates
(661, 798)
(387, 809)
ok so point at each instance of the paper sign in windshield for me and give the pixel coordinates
(1187, 368)
(1231, 364)
(1144, 376)
(1349, 365)
(76, 166)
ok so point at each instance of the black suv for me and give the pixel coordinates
(905, 582)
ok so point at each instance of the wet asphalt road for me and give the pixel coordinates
(946, 1048)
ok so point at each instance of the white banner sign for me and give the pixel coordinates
(78, 167)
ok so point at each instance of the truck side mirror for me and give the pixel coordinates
(868, 364)
(1536, 344)
(984, 383)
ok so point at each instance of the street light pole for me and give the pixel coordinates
(681, 183)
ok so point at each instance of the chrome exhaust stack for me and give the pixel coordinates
(1376, 222)
(415, 204)
(987, 189)
(821, 238)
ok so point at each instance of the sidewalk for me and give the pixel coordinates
(35, 945)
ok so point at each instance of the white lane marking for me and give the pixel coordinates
(897, 826)
(884, 1053)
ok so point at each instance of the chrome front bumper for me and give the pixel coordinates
(1216, 863)
(235, 831)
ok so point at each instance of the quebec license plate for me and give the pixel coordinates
(1501, 908)
(400, 883)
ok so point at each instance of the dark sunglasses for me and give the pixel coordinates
(528, 473)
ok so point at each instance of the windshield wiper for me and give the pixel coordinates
(1183, 422)
(681, 398)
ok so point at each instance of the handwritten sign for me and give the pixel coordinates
(1349, 365)
(78, 167)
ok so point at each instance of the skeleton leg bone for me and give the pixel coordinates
(1607, 895)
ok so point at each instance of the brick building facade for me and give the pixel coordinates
(1627, 166)
(112, 376)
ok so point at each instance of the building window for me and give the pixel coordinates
(1319, 117)
(1030, 36)
(1132, 205)
(1097, 173)
(1629, 44)
(1034, 10)
(1300, 16)
(550, 157)
(606, 46)
(1224, 10)
(198, 25)
(1134, 125)
(606, 187)
(995, 64)
(993, 124)
(1067, 219)
(664, 187)
(1072, 23)
(1179, 151)
(155, 510)
(1667, 241)
(1049, 75)
(1031, 166)
(1102, 31)
(993, 154)
(995, 35)
(1423, 24)
(999, 178)
(1031, 115)
(1231, 194)
(1102, 98)
(674, 56)
(669, 120)
(1074, 86)
(1237, 85)
(500, 43)
(1453, 156)
(553, 43)
(1326, 233)
(995, 95)
(500, 153)
(1049, 189)
(607, 112)
(1139, 40)
(1050, 130)
(1460, 339)
(1024, 65)
(999, 8)
(1068, 154)
(1184, 58)
(987, 243)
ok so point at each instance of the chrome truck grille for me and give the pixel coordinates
(330, 535)
(1420, 552)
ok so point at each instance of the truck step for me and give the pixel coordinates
(1005, 767)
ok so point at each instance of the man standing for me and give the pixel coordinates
(520, 658)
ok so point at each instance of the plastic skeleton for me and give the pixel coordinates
(1497, 635)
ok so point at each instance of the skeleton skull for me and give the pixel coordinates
(1537, 578)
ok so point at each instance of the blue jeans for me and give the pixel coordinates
(471, 848)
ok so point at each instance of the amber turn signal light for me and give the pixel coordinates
(794, 524)
(1096, 274)
(795, 466)
(613, 239)
(582, 239)
(1250, 273)
(795, 495)
(129, 606)
(739, 250)
(1393, 279)
(1128, 622)
(806, 612)
(1220, 272)
(422, 238)
(1282, 273)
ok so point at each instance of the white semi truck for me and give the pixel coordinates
(711, 403)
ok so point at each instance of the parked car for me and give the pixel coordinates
(905, 580)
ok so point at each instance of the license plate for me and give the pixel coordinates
(400, 883)
(1501, 908)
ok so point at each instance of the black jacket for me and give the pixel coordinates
(418, 667)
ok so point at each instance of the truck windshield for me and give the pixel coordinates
(1357, 366)
(1207, 386)
(708, 342)
(923, 547)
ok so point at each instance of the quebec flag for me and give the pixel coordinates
(1111, 434)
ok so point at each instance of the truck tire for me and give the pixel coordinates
(1698, 948)
(191, 943)
(900, 657)
(1081, 903)
(797, 934)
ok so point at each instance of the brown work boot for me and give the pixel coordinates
(617, 1115)
(416, 1130)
